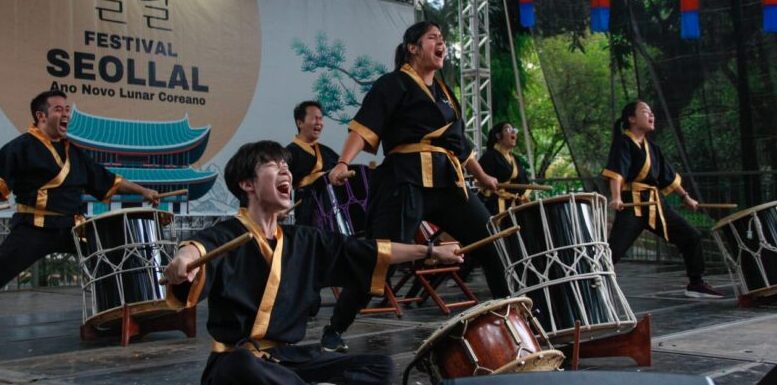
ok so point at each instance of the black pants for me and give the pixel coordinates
(27, 244)
(627, 227)
(395, 212)
(308, 365)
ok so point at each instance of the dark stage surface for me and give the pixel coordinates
(39, 335)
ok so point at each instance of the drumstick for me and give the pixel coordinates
(530, 186)
(717, 205)
(234, 243)
(173, 193)
(296, 204)
(625, 205)
(4, 206)
(506, 232)
(346, 175)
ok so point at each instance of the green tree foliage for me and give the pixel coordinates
(337, 88)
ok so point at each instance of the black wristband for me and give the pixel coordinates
(429, 250)
(343, 162)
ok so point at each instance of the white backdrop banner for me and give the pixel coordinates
(238, 66)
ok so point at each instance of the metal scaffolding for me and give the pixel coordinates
(475, 70)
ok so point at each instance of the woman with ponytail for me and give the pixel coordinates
(637, 172)
(417, 119)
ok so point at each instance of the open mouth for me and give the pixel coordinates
(439, 53)
(284, 188)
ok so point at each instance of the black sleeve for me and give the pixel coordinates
(100, 181)
(204, 241)
(488, 162)
(350, 262)
(9, 161)
(523, 175)
(377, 109)
(296, 163)
(619, 159)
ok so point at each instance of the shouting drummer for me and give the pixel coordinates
(48, 175)
(309, 158)
(260, 293)
(638, 171)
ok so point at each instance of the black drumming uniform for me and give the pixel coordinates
(502, 164)
(309, 161)
(421, 177)
(47, 179)
(259, 296)
(644, 173)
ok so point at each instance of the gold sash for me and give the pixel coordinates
(636, 188)
(425, 150)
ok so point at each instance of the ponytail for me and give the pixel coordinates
(413, 35)
(622, 124)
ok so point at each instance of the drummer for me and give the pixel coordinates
(419, 122)
(309, 158)
(48, 175)
(259, 294)
(637, 171)
(499, 161)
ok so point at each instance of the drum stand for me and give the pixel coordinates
(184, 320)
(634, 344)
(757, 297)
(436, 273)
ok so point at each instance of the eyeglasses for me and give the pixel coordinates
(510, 130)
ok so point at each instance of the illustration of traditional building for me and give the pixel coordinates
(155, 154)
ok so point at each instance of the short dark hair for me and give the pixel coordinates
(41, 103)
(413, 35)
(242, 165)
(302, 109)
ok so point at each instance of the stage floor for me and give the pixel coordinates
(39, 335)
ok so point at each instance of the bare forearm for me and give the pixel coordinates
(474, 168)
(615, 189)
(401, 252)
(127, 186)
(354, 144)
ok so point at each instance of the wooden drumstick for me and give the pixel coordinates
(626, 205)
(290, 209)
(530, 186)
(504, 233)
(229, 246)
(717, 205)
(348, 174)
(174, 193)
(4, 206)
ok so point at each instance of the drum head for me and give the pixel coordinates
(468, 314)
(544, 361)
(165, 217)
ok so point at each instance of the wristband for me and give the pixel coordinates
(429, 252)
(343, 162)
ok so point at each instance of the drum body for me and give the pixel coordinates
(121, 257)
(491, 338)
(561, 260)
(343, 208)
(748, 242)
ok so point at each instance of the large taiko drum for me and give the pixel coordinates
(561, 260)
(494, 337)
(343, 208)
(121, 258)
(748, 241)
